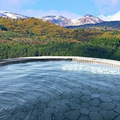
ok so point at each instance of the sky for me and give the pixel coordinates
(74, 9)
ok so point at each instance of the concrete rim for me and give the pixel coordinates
(59, 58)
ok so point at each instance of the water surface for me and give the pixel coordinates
(59, 90)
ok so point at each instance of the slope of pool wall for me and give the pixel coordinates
(58, 58)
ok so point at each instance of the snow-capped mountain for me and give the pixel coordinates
(88, 19)
(11, 15)
(58, 20)
(63, 21)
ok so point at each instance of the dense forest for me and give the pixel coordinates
(33, 37)
(106, 25)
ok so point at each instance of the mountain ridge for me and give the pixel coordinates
(89, 19)
(58, 20)
(87, 22)
(11, 15)
(106, 25)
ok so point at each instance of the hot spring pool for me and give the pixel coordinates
(59, 90)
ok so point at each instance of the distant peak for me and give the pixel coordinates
(49, 16)
(11, 15)
(53, 17)
(88, 15)
(3, 11)
(59, 16)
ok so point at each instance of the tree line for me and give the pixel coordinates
(33, 37)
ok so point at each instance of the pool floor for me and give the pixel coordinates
(59, 90)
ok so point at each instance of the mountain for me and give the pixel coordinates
(62, 21)
(88, 19)
(11, 15)
(106, 25)
(58, 20)
(33, 37)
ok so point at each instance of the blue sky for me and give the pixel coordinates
(105, 9)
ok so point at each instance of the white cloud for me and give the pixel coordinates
(13, 5)
(107, 6)
(17, 5)
(40, 13)
(114, 17)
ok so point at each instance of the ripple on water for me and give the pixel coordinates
(58, 90)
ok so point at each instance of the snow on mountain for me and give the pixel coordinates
(11, 15)
(88, 19)
(62, 21)
(58, 20)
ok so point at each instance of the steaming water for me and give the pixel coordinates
(58, 90)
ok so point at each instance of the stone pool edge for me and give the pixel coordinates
(59, 58)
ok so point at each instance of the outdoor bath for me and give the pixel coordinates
(59, 89)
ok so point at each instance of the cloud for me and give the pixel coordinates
(12, 5)
(114, 17)
(18, 6)
(40, 13)
(107, 6)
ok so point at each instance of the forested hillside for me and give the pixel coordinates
(33, 37)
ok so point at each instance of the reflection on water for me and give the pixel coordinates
(93, 68)
(59, 90)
